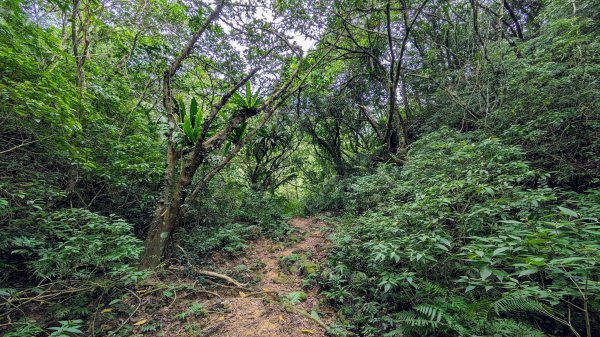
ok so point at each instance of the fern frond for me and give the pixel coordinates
(430, 312)
(431, 289)
(519, 302)
(509, 327)
(410, 321)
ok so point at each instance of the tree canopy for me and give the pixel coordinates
(452, 147)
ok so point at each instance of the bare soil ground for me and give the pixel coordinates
(263, 310)
(263, 307)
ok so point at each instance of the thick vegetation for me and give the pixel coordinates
(454, 144)
(465, 245)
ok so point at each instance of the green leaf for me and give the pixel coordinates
(199, 116)
(500, 250)
(187, 128)
(193, 111)
(527, 272)
(7, 291)
(485, 272)
(442, 247)
(567, 211)
(73, 330)
(248, 94)
(238, 100)
(181, 107)
(255, 99)
(177, 111)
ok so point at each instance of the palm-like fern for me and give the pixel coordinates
(248, 102)
(509, 327)
(190, 120)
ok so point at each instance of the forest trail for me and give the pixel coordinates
(267, 310)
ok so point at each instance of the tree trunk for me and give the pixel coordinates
(396, 143)
(172, 204)
(161, 227)
(166, 217)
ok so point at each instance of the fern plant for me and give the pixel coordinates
(249, 102)
(190, 120)
(25, 328)
(519, 302)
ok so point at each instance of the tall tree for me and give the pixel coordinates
(378, 33)
(178, 187)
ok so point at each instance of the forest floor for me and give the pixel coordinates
(274, 302)
(268, 290)
(267, 309)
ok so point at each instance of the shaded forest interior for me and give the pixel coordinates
(444, 155)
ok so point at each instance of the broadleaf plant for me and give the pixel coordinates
(191, 119)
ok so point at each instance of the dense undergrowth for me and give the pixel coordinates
(456, 142)
(61, 268)
(465, 239)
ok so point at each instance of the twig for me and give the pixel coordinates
(21, 145)
(130, 315)
(289, 306)
(304, 313)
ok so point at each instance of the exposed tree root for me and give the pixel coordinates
(210, 273)
(219, 276)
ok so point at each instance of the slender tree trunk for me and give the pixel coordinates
(396, 142)
(406, 124)
(73, 171)
(168, 210)
(174, 200)
(166, 217)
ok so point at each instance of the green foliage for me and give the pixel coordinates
(540, 92)
(25, 329)
(191, 119)
(67, 329)
(249, 102)
(492, 231)
(193, 310)
(264, 210)
(35, 97)
(199, 241)
(552, 101)
(460, 239)
(295, 297)
(326, 196)
(245, 214)
(75, 244)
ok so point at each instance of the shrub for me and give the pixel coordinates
(459, 240)
(76, 243)
(328, 196)
(234, 215)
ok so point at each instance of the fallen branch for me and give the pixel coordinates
(139, 304)
(262, 292)
(291, 307)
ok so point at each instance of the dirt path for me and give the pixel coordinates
(267, 309)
